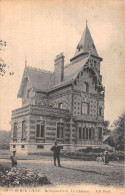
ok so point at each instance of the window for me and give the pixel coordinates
(60, 105)
(87, 133)
(85, 108)
(23, 129)
(15, 131)
(80, 133)
(93, 134)
(40, 147)
(14, 146)
(100, 111)
(85, 87)
(22, 146)
(60, 130)
(100, 133)
(83, 133)
(90, 134)
(28, 93)
(40, 129)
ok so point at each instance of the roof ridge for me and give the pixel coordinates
(39, 69)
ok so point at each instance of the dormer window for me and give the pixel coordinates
(86, 87)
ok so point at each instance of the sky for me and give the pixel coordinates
(39, 30)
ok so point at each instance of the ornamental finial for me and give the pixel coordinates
(86, 21)
(25, 62)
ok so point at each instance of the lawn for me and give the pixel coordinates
(79, 172)
(76, 171)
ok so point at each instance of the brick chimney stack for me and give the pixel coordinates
(59, 68)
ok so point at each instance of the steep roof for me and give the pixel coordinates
(86, 43)
(70, 73)
(39, 79)
(44, 80)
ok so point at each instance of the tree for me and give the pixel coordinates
(4, 139)
(2, 63)
(118, 135)
(106, 130)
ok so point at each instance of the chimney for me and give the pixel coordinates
(59, 68)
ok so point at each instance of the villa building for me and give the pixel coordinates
(66, 105)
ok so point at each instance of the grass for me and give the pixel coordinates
(79, 172)
(76, 171)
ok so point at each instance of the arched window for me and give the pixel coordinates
(60, 130)
(85, 108)
(40, 129)
(23, 129)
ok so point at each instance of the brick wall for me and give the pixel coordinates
(91, 97)
(61, 96)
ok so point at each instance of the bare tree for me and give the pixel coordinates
(2, 63)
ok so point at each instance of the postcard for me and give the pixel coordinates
(62, 93)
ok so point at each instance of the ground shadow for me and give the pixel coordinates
(84, 171)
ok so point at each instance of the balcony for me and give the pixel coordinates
(85, 118)
(39, 110)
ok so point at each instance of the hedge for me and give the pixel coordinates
(92, 156)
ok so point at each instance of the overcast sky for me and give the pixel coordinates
(39, 30)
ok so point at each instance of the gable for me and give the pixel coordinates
(38, 79)
(86, 82)
(27, 89)
(71, 71)
(44, 80)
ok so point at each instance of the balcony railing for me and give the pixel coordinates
(40, 110)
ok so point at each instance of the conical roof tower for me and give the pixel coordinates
(86, 45)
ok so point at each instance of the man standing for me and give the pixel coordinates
(56, 154)
(14, 159)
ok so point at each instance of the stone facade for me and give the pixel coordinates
(66, 105)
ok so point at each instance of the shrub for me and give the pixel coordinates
(113, 156)
(21, 176)
(90, 149)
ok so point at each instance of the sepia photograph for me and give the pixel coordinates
(62, 97)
